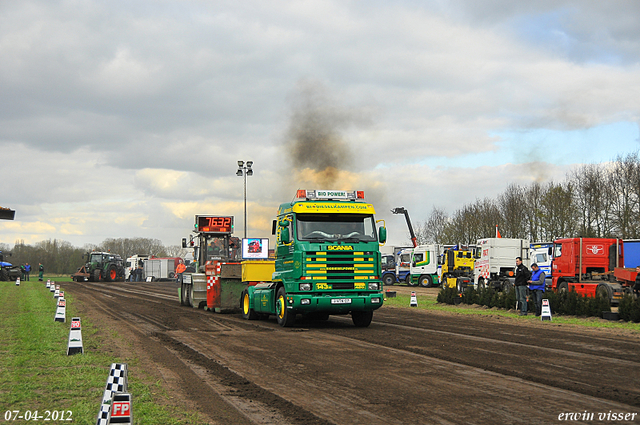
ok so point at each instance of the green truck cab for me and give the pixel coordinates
(327, 261)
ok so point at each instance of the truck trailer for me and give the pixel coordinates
(496, 264)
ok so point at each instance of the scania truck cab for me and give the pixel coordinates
(327, 260)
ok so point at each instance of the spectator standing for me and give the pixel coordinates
(139, 271)
(40, 272)
(522, 275)
(636, 287)
(23, 272)
(537, 287)
(179, 270)
(27, 271)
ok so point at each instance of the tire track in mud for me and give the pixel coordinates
(202, 378)
(462, 343)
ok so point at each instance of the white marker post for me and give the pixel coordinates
(61, 311)
(546, 310)
(75, 338)
(18, 281)
(414, 300)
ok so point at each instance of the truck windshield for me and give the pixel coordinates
(335, 227)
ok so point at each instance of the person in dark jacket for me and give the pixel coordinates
(636, 287)
(40, 272)
(522, 276)
(537, 286)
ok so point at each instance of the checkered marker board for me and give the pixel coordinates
(117, 382)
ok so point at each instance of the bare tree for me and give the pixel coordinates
(176, 251)
(513, 209)
(622, 182)
(432, 230)
(533, 213)
(558, 211)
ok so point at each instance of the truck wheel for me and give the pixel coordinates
(96, 275)
(605, 291)
(481, 284)
(182, 294)
(247, 312)
(507, 287)
(459, 287)
(425, 281)
(4, 275)
(563, 287)
(190, 295)
(388, 279)
(362, 319)
(285, 317)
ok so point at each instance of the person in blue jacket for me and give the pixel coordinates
(536, 286)
(27, 271)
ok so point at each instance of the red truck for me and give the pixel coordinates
(591, 266)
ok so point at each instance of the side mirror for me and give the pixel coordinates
(382, 234)
(285, 238)
(274, 225)
(184, 242)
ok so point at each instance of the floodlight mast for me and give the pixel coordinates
(244, 169)
(402, 210)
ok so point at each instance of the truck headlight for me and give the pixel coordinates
(305, 286)
(374, 286)
(375, 300)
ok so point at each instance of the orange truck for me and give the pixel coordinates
(591, 266)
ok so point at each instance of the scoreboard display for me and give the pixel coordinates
(214, 224)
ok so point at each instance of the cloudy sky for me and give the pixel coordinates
(127, 118)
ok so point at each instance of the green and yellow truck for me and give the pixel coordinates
(327, 260)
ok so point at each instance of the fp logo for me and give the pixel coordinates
(120, 409)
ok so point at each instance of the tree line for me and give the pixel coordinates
(594, 200)
(61, 257)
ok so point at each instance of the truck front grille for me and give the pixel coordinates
(340, 270)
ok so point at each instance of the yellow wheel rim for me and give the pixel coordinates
(282, 307)
(246, 304)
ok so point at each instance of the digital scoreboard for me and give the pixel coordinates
(214, 224)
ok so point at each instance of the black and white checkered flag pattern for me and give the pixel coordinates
(117, 382)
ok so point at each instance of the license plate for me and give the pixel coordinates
(341, 301)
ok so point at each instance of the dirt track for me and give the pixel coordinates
(409, 366)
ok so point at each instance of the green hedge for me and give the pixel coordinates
(629, 309)
(570, 303)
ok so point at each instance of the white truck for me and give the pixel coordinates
(131, 267)
(541, 254)
(496, 263)
(419, 265)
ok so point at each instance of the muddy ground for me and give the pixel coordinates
(408, 367)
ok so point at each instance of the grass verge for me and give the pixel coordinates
(37, 374)
(403, 301)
